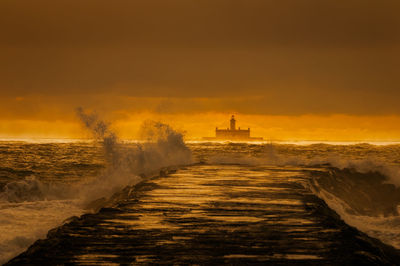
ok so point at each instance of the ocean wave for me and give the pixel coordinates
(324, 155)
(29, 207)
(24, 222)
(363, 200)
(364, 193)
(32, 189)
(363, 190)
(125, 164)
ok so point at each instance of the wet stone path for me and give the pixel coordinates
(205, 214)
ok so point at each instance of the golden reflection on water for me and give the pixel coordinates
(148, 222)
(98, 259)
(190, 193)
(198, 200)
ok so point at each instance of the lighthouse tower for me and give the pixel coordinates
(233, 123)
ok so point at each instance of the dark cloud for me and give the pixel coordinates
(295, 57)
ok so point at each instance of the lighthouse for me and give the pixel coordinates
(233, 123)
(231, 133)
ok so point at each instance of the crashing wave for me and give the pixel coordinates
(30, 207)
(364, 193)
(125, 164)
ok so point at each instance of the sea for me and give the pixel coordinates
(45, 182)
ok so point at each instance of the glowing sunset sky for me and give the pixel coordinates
(312, 69)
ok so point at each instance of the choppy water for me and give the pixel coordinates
(42, 184)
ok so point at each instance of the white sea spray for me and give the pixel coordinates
(30, 207)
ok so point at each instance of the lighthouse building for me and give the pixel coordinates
(232, 133)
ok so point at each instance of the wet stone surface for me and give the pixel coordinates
(204, 214)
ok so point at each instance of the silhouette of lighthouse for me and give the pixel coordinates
(231, 133)
(233, 123)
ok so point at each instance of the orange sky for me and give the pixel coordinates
(195, 126)
(319, 70)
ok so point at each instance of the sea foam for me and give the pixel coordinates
(30, 207)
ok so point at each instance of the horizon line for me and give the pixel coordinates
(288, 141)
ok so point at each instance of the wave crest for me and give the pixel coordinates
(363, 193)
(28, 189)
